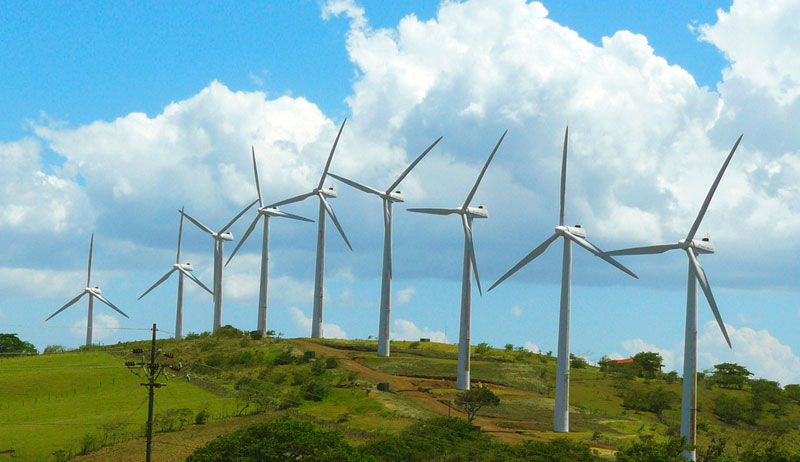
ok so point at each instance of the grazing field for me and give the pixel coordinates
(60, 401)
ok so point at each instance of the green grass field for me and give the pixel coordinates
(51, 402)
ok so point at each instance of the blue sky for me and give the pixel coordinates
(115, 116)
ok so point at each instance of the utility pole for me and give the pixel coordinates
(153, 371)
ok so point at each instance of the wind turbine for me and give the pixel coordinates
(693, 248)
(94, 292)
(467, 215)
(319, 273)
(265, 212)
(219, 242)
(576, 234)
(183, 269)
(389, 197)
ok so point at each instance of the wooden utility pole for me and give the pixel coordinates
(153, 371)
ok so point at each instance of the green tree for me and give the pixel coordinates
(277, 441)
(577, 362)
(730, 375)
(482, 348)
(474, 399)
(10, 344)
(649, 363)
(732, 410)
(648, 450)
(792, 392)
(766, 391)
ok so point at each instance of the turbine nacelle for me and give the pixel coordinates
(395, 196)
(184, 266)
(576, 230)
(700, 246)
(330, 192)
(226, 236)
(477, 212)
(94, 290)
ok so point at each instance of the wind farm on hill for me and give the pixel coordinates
(416, 378)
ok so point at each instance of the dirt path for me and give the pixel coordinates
(409, 386)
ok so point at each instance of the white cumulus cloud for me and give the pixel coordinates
(103, 326)
(407, 330)
(404, 296)
(304, 323)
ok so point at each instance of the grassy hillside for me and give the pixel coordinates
(333, 382)
(53, 402)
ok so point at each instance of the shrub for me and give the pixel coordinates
(280, 439)
(733, 410)
(314, 390)
(256, 335)
(577, 362)
(202, 416)
(509, 347)
(228, 331)
(331, 363)
(654, 401)
(482, 348)
(50, 349)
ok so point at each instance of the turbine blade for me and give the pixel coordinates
(196, 223)
(335, 220)
(411, 166)
(434, 211)
(278, 213)
(483, 171)
(703, 209)
(330, 156)
(69, 303)
(180, 235)
(196, 281)
(471, 247)
(111, 305)
(703, 280)
(230, 223)
(361, 187)
(563, 196)
(646, 250)
(255, 171)
(592, 248)
(163, 278)
(292, 199)
(244, 238)
(89, 271)
(527, 259)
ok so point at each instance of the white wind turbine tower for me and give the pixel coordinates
(183, 269)
(576, 234)
(94, 292)
(467, 214)
(389, 197)
(266, 213)
(319, 273)
(219, 241)
(693, 248)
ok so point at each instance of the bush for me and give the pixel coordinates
(256, 335)
(202, 416)
(331, 363)
(649, 450)
(280, 439)
(51, 349)
(509, 347)
(654, 401)
(11, 345)
(228, 331)
(482, 348)
(733, 410)
(314, 390)
(577, 362)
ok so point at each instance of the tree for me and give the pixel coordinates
(730, 375)
(577, 362)
(792, 391)
(509, 347)
(732, 410)
(279, 440)
(10, 344)
(766, 391)
(649, 363)
(474, 399)
(648, 450)
(482, 348)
